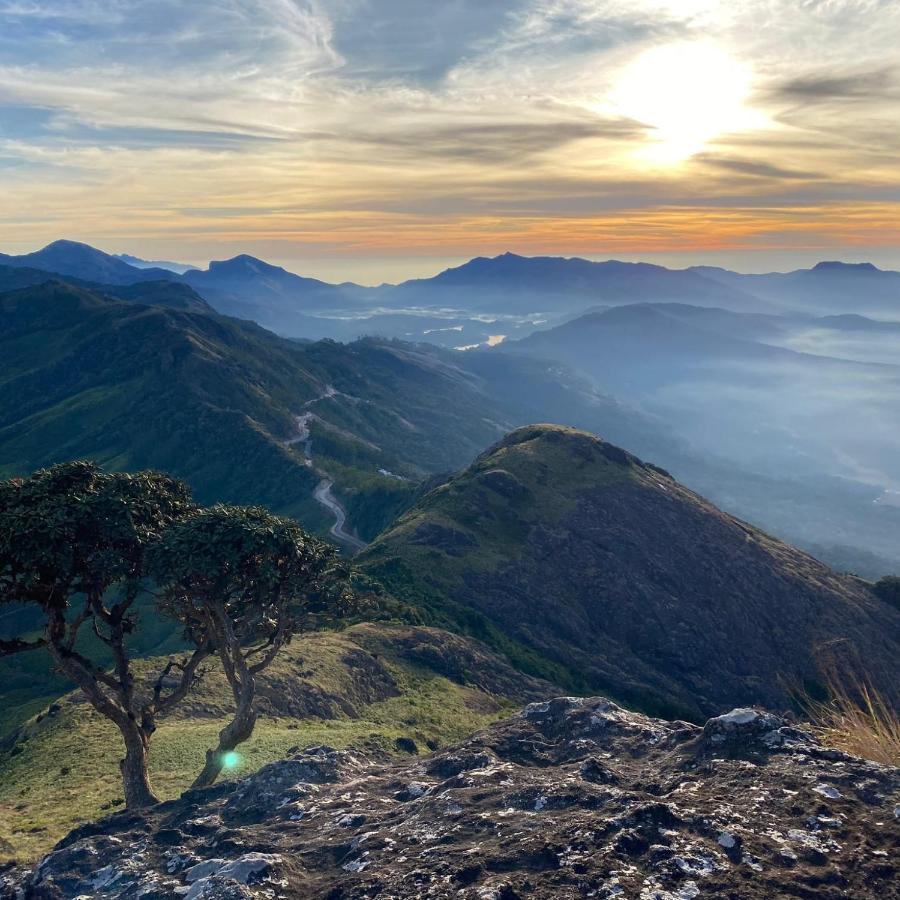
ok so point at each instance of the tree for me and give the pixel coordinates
(73, 542)
(245, 581)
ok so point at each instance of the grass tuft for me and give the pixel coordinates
(857, 719)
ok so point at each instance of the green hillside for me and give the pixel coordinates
(586, 564)
(214, 401)
(135, 386)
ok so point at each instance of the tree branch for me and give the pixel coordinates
(96, 629)
(86, 675)
(76, 624)
(228, 646)
(276, 641)
(189, 677)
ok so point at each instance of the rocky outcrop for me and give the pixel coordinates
(571, 798)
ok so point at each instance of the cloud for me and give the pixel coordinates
(827, 86)
(491, 144)
(757, 169)
(408, 39)
(312, 120)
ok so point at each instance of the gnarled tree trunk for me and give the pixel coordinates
(238, 730)
(135, 777)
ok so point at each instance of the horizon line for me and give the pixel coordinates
(467, 260)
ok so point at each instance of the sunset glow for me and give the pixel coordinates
(385, 139)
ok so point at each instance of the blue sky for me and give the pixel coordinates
(378, 138)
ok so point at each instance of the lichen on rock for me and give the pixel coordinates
(571, 798)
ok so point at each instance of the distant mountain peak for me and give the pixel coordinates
(75, 259)
(244, 266)
(65, 242)
(247, 259)
(72, 247)
(244, 261)
(838, 266)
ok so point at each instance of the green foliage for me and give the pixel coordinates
(265, 572)
(242, 582)
(73, 542)
(78, 544)
(73, 529)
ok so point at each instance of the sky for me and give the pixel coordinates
(381, 139)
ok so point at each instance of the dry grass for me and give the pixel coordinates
(857, 719)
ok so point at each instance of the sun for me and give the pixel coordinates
(685, 94)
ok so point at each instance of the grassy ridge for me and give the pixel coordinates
(562, 550)
(479, 519)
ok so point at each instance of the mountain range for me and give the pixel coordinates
(750, 408)
(503, 285)
(216, 401)
(831, 286)
(512, 282)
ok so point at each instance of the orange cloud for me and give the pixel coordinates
(656, 230)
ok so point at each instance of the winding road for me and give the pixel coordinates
(322, 493)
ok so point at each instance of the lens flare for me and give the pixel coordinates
(231, 759)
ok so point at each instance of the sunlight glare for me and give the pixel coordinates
(687, 94)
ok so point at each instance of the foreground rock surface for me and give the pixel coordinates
(571, 798)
